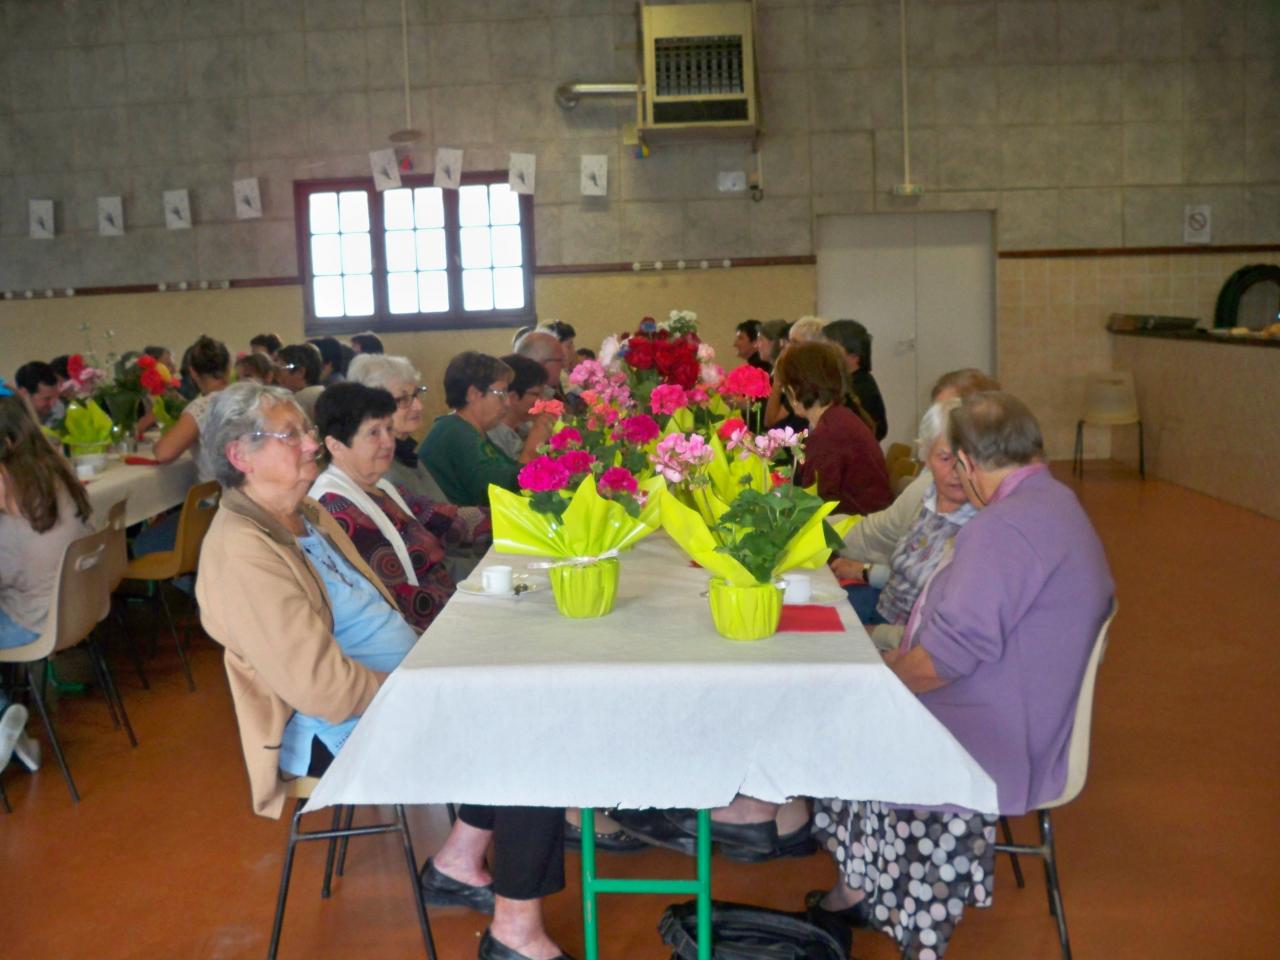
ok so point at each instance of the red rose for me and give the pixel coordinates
(146, 362)
(152, 382)
(75, 366)
(639, 353)
(685, 372)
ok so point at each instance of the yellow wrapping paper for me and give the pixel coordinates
(745, 613)
(86, 429)
(587, 591)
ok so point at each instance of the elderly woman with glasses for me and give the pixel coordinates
(401, 379)
(311, 633)
(457, 450)
(400, 536)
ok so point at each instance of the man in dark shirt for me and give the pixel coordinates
(853, 338)
(744, 342)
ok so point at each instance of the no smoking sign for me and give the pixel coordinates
(1196, 223)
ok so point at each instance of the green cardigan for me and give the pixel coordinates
(464, 462)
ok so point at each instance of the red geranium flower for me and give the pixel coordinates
(565, 438)
(75, 366)
(146, 362)
(618, 480)
(639, 353)
(152, 382)
(639, 430)
(576, 461)
(730, 427)
(542, 474)
(747, 381)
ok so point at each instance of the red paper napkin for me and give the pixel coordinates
(136, 461)
(809, 618)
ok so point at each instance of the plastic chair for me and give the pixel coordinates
(1109, 401)
(896, 452)
(117, 561)
(80, 602)
(901, 473)
(198, 509)
(300, 789)
(1077, 771)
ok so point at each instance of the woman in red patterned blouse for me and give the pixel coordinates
(401, 536)
(840, 454)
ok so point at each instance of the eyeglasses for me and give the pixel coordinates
(292, 437)
(499, 393)
(406, 401)
(290, 367)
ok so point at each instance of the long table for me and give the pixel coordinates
(151, 490)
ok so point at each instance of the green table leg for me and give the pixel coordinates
(593, 885)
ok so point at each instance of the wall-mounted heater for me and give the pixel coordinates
(699, 76)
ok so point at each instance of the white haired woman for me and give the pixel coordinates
(890, 589)
(311, 634)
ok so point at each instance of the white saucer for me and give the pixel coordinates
(475, 588)
(825, 596)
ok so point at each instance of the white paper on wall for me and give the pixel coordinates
(1197, 223)
(448, 168)
(522, 170)
(595, 175)
(40, 224)
(248, 198)
(386, 170)
(177, 209)
(110, 217)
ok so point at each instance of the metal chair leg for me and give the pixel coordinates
(1142, 454)
(110, 689)
(452, 810)
(135, 654)
(285, 871)
(342, 847)
(35, 677)
(329, 854)
(1051, 878)
(1007, 832)
(177, 639)
(95, 658)
(4, 798)
(411, 861)
(1077, 458)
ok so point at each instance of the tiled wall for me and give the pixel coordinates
(1053, 313)
(1085, 123)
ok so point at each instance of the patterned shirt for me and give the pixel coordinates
(917, 554)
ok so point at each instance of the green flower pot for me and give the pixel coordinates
(745, 613)
(587, 591)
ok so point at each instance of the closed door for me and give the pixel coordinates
(923, 284)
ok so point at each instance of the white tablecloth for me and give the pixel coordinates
(151, 490)
(503, 701)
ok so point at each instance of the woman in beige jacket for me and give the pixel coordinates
(310, 634)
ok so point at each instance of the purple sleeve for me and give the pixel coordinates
(978, 599)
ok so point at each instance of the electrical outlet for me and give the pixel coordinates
(731, 181)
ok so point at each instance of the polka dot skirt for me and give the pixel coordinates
(919, 868)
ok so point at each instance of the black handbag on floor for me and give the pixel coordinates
(743, 932)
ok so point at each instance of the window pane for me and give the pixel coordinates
(400, 255)
(507, 251)
(356, 255)
(358, 292)
(324, 213)
(433, 292)
(354, 206)
(327, 293)
(397, 209)
(475, 247)
(431, 255)
(477, 289)
(504, 204)
(402, 292)
(326, 255)
(473, 206)
(508, 288)
(429, 205)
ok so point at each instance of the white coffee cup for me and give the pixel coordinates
(496, 580)
(798, 588)
(85, 471)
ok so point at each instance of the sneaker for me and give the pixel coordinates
(12, 723)
(27, 750)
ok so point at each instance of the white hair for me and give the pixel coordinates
(236, 413)
(806, 328)
(932, 426)
(380, 370)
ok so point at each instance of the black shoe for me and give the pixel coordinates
(491, 949)
(859, 915)
(760, 837)
(441, 891)
(617, 842)
(798, 843)
(653, 827)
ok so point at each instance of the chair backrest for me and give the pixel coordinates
(197, 514)
(901, 473)
(82, 599)
(1109, 398)
(896, 452)
(1078, 749)
(117, 545)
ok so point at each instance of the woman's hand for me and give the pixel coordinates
(539, 433)
(847, 569)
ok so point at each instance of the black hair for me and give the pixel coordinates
(528, 374)
(560, 330)
(304, 355)
(342, 408)
(368, 342)
(585, 353)
(155, 353)
(209, 358)
(31, 375)
(854, 338)
(347, 356)
(472, 369)
(268, 340)
(751, 328)
(330, 351)
(59, 364)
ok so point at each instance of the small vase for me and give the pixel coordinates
(745, 613)
(586, 591)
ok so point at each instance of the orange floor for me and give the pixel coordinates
(1169, 852)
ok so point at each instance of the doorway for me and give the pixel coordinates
(923, 284)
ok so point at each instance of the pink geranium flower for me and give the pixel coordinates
(747, 381)
(566, 438)
(678, 456)
(617, 480)
(553, 407)
(667, 398)
(576, 461)
(639, 430)
(542, 474)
